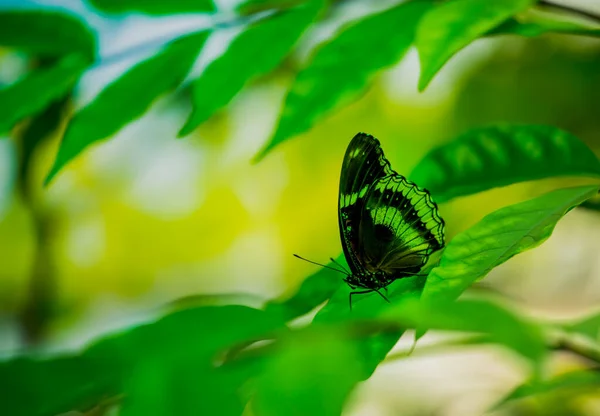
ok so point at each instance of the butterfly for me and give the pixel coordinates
(388, 225)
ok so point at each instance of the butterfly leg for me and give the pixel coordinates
(357, 293)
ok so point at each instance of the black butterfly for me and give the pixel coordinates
(388, 225)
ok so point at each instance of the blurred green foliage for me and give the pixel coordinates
(233, 359)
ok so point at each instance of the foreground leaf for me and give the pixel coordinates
(342, 68)
(128, 98)
(137, 362)
(154, 6)
(76, 383)
(454, 24)
(578, 381)
(46, 34)
(374, 347)
(38, 90)
(496, 238)
(176, 371)
(246, 58)
(311, 374)
(489, 157)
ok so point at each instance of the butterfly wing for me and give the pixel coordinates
(400, 227)
(364, 164)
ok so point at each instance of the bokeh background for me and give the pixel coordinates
(144, 219)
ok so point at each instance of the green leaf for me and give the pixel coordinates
(375, 347)
(138, 361)
(578, 381)
(314, 290)
(494, 156)
(501, 325)
(41, 387)
(311, 373)
(175, 371)
(246, 58)
(590, 327)
(128, 97)
(454, 24)
(341, 69)
(156, 7)
(38, 90)
(46, 34)
(248, 7)
(496, 238)
(535, 22)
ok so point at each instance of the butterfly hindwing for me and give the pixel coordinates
(399, 227)
(388, 226)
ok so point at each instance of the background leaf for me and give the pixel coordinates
(342, 68)
(494, 156)
(590, 327)
(247, 57)
(498, 323)
(38, 90)
(46, 34)
(496, 238)
(534, 23)
(579, 381)
(154, 6)
(128, 97)
(454, 24)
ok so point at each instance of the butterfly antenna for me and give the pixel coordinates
(339, 265)
(322, 265)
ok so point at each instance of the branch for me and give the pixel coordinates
(569, 9)
(569, 343)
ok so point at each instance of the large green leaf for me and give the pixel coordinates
(246, 58)
(342, 68)
(310, 374)
(176, 371)
(501, 325)
(45, 33)
(128, 97)
(496, 238)
(157, 7)
(374, 347)
(38, 90)
(502, 155)
(141, 361)
(41, 387)
(578, 381)
(454, 24)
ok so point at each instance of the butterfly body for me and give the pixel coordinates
(388, 225)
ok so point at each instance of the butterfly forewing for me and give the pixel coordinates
(387, 224)
(363, 164)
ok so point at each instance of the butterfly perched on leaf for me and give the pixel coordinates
(388, 225)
